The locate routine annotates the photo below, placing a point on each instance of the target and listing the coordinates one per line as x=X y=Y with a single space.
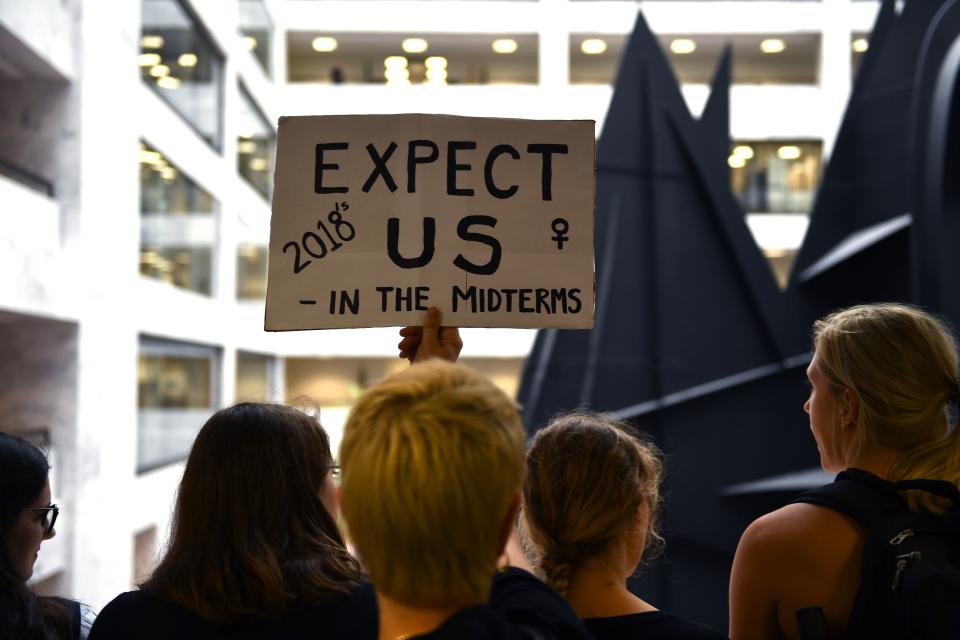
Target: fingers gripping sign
x=430 y=340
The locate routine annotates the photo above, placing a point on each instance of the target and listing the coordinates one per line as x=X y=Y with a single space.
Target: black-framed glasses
x=49 y=517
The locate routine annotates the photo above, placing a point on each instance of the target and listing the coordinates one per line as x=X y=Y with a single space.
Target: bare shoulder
x=801 y=535
x=796 y=556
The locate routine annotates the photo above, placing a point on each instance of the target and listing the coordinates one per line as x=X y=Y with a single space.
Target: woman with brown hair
x=254 y=550
x=27 y=520
x=590 y=507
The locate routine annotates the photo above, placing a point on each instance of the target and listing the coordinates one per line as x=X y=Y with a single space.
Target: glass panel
x=251 y=272
x=178 y=60
x=256 y=29
x=253 y=377
x=403 y=59
x=775 y=176
x=177 y=389
x=255 y=144
x=177 y=225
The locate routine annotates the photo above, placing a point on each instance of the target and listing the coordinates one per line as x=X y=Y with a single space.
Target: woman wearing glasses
x=27 y=519
x=254 y=549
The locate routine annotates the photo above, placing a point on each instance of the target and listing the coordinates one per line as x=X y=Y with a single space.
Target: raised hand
x=430 y=340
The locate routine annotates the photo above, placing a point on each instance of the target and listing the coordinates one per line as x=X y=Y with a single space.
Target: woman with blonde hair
x=883 y=384
x=591 y=499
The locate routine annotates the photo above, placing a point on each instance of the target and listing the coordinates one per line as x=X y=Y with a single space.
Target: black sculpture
x=694 y=342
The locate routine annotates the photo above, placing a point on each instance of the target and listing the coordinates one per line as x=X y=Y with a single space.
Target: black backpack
x=910 y=567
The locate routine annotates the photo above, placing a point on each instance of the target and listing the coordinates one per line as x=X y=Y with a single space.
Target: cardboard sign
x=378 y=218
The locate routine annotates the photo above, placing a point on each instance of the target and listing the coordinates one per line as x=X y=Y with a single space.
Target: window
x=775 y=176
x=414 y=58
x=256 y=30
x=251 y=272
x=790 y=58
x=178 y=389
x=178 y=60
x=254 y=377
x=255 y=143
x=178 y=231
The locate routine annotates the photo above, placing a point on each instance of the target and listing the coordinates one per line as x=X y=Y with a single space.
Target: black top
x=520 y=607
x=652 y=625
x=137 y=615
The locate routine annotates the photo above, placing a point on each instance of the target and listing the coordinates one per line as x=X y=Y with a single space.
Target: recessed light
x=187 y=60
x=149 y=59
x=151 y=42
x=789 y=152
x=435 y=62
x=437 y=75
x=683 y=46
x=414 y=45
x=504 y=45
x=743 y=151
x=324 y=44
x=773 y=45
x=593 y=46
x=250 y=43
x=159 y=70
x=395 y=62
x=736 y=162
x=860 y=45
x=168 y=82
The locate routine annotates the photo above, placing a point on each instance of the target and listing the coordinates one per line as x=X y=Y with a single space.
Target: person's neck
x=398 y=620
x=599 y=591
x=878 y=461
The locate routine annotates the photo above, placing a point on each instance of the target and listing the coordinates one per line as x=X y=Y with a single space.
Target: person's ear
x=508 y=524
x=850 y=407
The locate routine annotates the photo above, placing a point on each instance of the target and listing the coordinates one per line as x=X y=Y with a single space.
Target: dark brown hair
x=24 y=615
x=587 y=481
x=250 y=536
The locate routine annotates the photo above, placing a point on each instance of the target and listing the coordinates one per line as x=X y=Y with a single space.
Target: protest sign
x=377 y=218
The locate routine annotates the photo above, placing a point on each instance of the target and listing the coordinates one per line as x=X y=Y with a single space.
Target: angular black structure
x=694 y=342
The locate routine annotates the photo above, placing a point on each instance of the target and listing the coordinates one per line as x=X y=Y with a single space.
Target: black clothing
x=138 y=615
x=520 y=607
x=652 y=625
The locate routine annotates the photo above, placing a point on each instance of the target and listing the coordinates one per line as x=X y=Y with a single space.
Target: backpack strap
x=858 y=495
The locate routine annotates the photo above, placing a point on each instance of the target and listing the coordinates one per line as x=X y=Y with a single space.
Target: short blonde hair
x=901 y=363
x=432 y=460
x=589 y=479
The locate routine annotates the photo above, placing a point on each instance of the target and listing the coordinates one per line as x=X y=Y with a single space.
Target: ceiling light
x=437 y=75
x=258 y=164
x=743 y=151
x=150 y=157
x=683 y=46
x=736 y=162
x=593 y=46
x=168 y=173
x=246 y=146
x=168 y=82
x=395 y=74
x=324 y=44
x=789 y=152
x=414 y=45
x=159 y=70
x=504 y=45
x=149 y=59
x=151 y=42
x=436 y=62
x=772 y=45
x=250 y=42
x=187 y=60
x=395 y=62
x=860 y=45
